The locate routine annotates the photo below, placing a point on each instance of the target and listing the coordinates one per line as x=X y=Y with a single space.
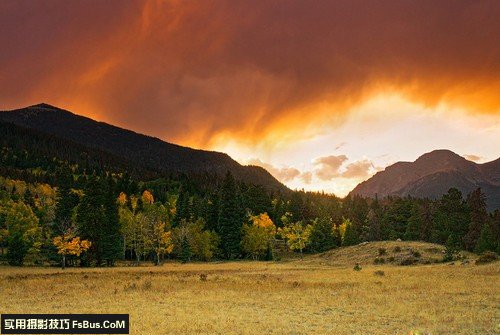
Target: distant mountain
x=432 y=174
x=148 y=152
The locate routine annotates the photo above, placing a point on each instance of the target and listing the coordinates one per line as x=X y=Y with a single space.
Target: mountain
x=150 y=153
x=432 y=174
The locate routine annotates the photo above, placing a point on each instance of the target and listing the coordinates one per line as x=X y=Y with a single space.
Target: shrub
x=416 y=253
x=486 y=257
x=379 y=273
x=146 y=286
x=379 y=260
x=382 y=251
x=409 y=261
x=391 y=259
x=397 y=249
x=357 y=267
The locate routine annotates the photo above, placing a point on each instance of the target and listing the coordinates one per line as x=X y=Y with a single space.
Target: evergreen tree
x=230 y=218
x=486 y=241
x=183 y=206
x=478 y=217
x=322 y=235
x=211 y=212
x=90 y=220
x=426 y=224
x=66 y=202
x=415 y=223
x=452 y=217
x=17 y=249
x=111 y=239
x=452 y=248
x=373 y=231
x=350 y=237
x=185 y=250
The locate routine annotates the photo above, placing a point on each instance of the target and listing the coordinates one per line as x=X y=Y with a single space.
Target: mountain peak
x=431 y=175
x=148 y=152
x=440 y=154
x=44 y=106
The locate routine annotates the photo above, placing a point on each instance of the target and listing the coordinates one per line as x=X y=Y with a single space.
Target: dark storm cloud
x=190 y=70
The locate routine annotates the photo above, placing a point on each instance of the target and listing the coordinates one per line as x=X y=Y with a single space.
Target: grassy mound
x=383 y=252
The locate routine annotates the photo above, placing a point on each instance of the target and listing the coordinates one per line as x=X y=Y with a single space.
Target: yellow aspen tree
x=67 y=244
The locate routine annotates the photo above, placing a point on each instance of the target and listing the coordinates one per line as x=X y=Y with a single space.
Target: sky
x=323 y=94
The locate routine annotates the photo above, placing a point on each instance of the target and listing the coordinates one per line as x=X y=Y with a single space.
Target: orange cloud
x=328 y=167
x=359 y=169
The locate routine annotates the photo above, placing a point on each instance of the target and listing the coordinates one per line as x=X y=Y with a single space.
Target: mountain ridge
x=148 y=151
x=431 y=175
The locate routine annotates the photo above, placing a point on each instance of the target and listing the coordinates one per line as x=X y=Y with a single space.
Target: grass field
x=309 y=296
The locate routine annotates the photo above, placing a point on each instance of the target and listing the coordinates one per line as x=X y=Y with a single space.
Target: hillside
x=431 y=175
x=146 y=152
x=396 y=252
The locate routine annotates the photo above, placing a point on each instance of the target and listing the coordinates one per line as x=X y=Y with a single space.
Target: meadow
x=300 y=296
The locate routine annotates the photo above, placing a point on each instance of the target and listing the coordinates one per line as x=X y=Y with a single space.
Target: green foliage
x=452 y=217
x=17 y=249
x=452 y=248
x=296 y=235
x=415 y=224
x=478 y=220
x=350 y=237
x=230 y=219
x=486 y=241
x=322 y=236
x=192 y=240
x=111 y=238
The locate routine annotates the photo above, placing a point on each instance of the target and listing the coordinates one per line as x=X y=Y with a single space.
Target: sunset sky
x=321 y=93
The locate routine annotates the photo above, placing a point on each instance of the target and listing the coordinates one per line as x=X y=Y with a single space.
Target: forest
x=66 y=204
x=113 y=218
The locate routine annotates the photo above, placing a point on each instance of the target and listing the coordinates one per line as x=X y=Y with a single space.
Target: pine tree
x=415 y=223
x=486 y=241
x=230 y=218
x=478 y=217
x=183 y=207
x=90 y=220
x=350 y=237
x=66 y=202
x=452 y=248
x=17 y=249
x=452 y=217
x=110 y=234
x=185 y=250
x=322 y=235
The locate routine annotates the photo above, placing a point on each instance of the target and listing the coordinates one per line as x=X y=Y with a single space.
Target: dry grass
x=395 y=253
x=299 y=297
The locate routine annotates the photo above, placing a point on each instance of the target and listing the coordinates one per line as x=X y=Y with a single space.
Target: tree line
x=103 y=217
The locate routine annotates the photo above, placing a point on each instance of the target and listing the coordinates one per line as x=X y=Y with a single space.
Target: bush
x=379 y=260
x=397 y=249
x=391 y=259
x=357 y=267
x=382 y=251
x=409 y=261
x=486 y=257
x=416 y=253
x=379 y=273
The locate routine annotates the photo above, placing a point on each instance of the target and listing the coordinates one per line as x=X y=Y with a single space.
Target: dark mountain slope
x=144 y=151
x=432 y=174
